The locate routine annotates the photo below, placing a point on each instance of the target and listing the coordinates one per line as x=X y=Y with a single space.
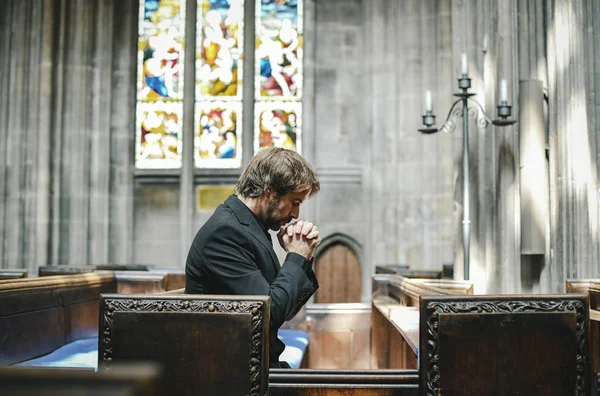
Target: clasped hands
x=301 y=237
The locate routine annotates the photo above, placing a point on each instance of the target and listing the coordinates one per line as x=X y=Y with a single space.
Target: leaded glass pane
x=277 y=124
x=219 y=40
x=278 y=49
x=160 y=84
x=160 y=49
x=158 y=138
x=217 y=140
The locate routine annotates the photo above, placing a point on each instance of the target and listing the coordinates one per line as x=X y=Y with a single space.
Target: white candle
x=428 y=104
x=503 y=91
x=464 y=65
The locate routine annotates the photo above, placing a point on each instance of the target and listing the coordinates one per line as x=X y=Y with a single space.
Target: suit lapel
x=243 y=214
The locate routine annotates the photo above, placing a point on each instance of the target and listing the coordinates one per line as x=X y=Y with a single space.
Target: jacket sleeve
x=228 y=256
x=308 y=269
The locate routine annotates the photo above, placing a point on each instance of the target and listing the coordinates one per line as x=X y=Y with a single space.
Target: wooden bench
x=129 y=276
x=58 y=315
x=591 y=287
x=403 y=270
x=209 y=345
x=40 y=315
x=141 y=379
x=504 y=345
x=395 y=316
x=50 y=270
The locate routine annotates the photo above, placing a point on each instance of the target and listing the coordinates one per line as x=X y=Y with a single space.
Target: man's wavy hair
x=284 y=171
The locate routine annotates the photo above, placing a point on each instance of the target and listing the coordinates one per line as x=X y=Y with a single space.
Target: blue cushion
x=80 y=353
x=295 y=342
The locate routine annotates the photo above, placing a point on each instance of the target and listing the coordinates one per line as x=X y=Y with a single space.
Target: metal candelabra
x=504 y=112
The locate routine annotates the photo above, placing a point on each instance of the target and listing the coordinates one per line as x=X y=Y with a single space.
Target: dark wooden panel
x=39 y=315
x=201 y=337
x=83 y=320
x=504 y=345
x=32 y=334
x=209 y=345
x=33 y=294
x=510 y=344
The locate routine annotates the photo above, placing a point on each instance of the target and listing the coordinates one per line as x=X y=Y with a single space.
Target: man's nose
x=295 y=212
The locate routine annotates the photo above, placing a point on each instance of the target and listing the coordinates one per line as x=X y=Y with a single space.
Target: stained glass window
x=219 y=66
x=160 y=83
x=278 y=74
x=218 y=74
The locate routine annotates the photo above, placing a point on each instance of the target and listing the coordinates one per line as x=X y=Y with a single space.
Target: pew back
x=209 y=345
x=500 y=345
x=131 y=279
x=7 y=273
x=39 y=315
x=49 y=270
x=141 y=379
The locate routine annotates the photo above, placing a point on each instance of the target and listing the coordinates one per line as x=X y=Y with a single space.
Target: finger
x=313 y=234
x=307 y=227
x=298 y=226
x=290 y=230
x=282 y=231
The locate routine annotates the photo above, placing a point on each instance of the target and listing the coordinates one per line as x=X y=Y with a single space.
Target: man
x=232 y=252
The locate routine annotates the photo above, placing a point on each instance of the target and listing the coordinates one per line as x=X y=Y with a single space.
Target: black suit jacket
x=232 y=254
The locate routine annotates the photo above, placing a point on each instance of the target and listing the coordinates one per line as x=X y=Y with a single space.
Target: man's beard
x=269 y=220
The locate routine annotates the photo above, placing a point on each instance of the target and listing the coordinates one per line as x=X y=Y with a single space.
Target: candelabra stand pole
x=466 y=222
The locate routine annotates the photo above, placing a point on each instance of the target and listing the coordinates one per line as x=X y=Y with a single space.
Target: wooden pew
x=12 y=273
x=591 y=287
x=140 y=379
x=403 y=270
x=49 y=270
x=395 y=316
x=129 y=276
x=40 y=315
x=209 y=345
x=504 y=345
x=284 y=382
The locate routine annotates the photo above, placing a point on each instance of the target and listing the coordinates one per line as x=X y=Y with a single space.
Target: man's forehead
x=303 y=195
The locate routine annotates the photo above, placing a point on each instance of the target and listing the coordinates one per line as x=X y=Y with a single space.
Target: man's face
x=281 y=210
